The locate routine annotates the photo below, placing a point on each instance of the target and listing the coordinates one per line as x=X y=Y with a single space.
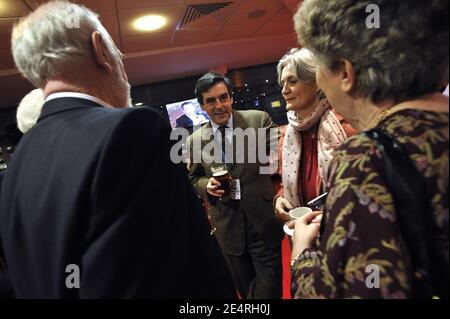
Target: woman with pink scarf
x=313 y=133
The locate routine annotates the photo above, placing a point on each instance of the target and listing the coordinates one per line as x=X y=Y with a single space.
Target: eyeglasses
x=212 y=101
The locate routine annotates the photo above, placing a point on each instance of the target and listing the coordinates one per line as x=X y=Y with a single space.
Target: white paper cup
x=299 y=212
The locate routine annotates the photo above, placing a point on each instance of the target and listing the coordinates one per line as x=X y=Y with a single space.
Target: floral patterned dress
x=360 y=230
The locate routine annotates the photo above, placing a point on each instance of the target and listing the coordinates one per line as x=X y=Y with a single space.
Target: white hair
x=29 y=110
x=302 y=62
x=55 y=38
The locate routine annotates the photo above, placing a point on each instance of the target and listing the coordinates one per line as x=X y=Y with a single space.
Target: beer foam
x=220 y=173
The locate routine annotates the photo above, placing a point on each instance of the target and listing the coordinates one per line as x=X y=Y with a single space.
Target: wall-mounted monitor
x=446 y=91
x=186 y=114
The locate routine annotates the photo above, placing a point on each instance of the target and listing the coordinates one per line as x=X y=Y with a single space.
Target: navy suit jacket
x=95 y=187
x=184 y=121
x=5 y=284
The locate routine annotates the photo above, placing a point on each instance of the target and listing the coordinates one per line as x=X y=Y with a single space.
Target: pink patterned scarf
x=330 y=136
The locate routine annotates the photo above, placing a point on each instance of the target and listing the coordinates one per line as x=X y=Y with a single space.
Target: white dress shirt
x=228 y=131
x=79 y=96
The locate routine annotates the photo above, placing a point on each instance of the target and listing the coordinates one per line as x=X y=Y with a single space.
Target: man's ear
x=347 y=76
x=101 y=52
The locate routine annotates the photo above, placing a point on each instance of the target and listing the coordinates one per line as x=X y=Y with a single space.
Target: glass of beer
x=224 y=178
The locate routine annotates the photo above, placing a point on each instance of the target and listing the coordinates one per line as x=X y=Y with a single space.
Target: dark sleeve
x=2 y=258
x=178 y=123
x=197 y=175
x=6 y=290
x=5 y=284
x=148 y=237
x=266 y=121
x=360 y=254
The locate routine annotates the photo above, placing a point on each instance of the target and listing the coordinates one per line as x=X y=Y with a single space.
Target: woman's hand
x=306 y=231
x=282 y=208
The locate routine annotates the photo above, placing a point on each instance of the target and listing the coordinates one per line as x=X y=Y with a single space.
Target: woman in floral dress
x=379 y=71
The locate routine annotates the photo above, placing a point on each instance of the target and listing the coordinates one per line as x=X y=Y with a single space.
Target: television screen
x=186 y=114
x=446 y=91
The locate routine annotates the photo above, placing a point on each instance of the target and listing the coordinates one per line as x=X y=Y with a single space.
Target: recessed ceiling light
x=139 y=104
x=2 y=6
x=150 y=22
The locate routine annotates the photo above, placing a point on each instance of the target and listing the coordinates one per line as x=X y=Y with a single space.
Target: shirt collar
x=229 y=124
x=78 y=95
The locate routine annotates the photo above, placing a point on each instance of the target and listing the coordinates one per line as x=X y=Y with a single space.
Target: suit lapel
x=207 y=134
x=207 y=137
x=239 y=122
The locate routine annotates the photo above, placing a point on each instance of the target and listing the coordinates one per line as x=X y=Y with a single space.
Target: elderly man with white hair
x=87 y=207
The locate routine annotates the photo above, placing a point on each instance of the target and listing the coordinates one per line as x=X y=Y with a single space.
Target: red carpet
x=286 y=254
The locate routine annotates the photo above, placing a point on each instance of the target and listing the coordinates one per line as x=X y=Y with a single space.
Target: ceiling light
x=2 y=6
x=139 y=104
x=150 y=23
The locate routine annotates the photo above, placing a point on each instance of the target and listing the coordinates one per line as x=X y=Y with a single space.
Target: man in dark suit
x=87 y=206
x=246 y=228
x=186 y=120
x=190 y=116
